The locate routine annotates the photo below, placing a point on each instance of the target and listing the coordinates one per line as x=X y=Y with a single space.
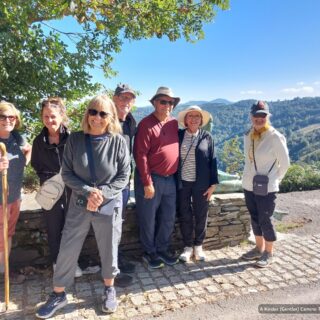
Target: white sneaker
x=78 y=272
x=186 y=255
x=199 y=254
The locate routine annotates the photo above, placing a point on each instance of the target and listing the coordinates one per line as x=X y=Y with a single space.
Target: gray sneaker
x=110 y=303
x=252 y=254
x=265 y=260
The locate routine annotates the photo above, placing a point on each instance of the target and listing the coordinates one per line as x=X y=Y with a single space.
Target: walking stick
x=3 y=152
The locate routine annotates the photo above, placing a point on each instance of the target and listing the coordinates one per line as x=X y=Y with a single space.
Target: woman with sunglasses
x=96 y=167
x=18 y=154
x=46 y=159
x=266 y=153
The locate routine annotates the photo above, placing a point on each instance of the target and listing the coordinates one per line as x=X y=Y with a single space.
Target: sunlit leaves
x=35 y=62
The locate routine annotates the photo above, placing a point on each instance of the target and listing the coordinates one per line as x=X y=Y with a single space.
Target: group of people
x=174 y=168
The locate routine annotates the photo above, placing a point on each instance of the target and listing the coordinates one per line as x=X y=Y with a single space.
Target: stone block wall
x=228 y=225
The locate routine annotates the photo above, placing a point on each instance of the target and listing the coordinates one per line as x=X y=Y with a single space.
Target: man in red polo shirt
x=156 y=153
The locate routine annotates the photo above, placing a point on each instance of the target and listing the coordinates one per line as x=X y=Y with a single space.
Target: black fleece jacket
x=46 y=158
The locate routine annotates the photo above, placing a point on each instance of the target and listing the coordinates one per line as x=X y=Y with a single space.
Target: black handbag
x=260 y=182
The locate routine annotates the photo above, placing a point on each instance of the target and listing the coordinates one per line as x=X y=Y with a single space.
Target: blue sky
x=259 y=49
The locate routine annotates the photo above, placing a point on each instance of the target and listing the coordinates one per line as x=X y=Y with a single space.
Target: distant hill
x=297 y=119
x=221 y=101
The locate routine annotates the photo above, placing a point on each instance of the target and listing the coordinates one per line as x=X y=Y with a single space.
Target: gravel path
x=303 y=211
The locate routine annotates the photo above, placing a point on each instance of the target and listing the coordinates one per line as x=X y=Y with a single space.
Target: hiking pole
x=3 y=152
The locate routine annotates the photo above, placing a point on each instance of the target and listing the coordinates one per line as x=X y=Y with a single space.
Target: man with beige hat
x=156 y=152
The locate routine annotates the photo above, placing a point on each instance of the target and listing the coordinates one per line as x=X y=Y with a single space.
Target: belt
x=161 y=176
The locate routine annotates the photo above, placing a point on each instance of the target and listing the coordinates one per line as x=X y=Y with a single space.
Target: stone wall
x=228 y=225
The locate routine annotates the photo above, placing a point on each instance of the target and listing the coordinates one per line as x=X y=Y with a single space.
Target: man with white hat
x=156 y=152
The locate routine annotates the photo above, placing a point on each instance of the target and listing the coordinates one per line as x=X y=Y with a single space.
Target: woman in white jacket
x=266 y=153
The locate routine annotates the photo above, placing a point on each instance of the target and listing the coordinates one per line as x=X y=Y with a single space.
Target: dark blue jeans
x=261 y=209
x=125 y=199
x=156 y=216
x=193 y=205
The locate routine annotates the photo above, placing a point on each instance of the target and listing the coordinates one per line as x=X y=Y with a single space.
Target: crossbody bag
x=260 y=181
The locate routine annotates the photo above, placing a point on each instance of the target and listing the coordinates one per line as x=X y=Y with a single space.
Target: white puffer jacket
x=270 y=147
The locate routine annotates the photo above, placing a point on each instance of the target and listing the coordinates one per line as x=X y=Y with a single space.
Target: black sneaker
x=110 y=303
x=124 y=265
x=265 y=260
x=123 y=280
x=168 y=258
x=54 y=303
x=152 y=260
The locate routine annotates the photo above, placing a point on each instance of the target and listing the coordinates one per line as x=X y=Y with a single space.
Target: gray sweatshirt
x=111 y=162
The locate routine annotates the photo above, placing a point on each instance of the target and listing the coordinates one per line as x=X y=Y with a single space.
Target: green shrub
x=30 y=179
x=300 y=177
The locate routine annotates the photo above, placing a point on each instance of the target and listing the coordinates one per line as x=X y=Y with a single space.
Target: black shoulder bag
x=260 y=181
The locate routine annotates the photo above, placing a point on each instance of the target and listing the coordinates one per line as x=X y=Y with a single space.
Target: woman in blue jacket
x=197 y=178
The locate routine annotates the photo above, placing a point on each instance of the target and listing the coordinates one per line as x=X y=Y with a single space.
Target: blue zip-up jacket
x=206 y=163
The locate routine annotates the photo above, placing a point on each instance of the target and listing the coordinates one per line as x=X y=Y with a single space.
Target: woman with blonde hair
x=96 y=167
x=18 y=154
x=266 y=154
x=46 y=159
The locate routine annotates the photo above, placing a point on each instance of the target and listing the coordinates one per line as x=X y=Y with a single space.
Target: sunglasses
x=260 y=115
x=94 y=112
x=4 y=118
x=165 y=102
x=51 y=103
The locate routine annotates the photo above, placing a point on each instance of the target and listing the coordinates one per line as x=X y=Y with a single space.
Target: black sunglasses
x=165 y=102
x=260 y=115
x=102 y=114
x=4 y=118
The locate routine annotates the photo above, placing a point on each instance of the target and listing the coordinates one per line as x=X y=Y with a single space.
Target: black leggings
x=55 y=219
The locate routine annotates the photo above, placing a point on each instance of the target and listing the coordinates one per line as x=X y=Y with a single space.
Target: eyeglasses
x=165 y=102
x=196 y=116
x=10 y=118
x=102 y=114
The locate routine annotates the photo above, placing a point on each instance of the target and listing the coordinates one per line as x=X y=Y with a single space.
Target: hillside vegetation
x=297 y=119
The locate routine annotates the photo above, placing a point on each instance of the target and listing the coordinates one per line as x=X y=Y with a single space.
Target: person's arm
x=121 y=179
x=70 y=155
x=213 y=169
x=282 y=155
x=141 y=148
x=37 y=162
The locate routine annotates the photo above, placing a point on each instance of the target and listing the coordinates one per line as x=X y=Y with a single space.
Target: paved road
x=223 y=278
x=246 y=307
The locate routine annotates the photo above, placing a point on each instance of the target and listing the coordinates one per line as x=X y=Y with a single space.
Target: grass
x=285 y=227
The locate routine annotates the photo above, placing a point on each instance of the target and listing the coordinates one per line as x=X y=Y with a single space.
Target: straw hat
x=206 y=116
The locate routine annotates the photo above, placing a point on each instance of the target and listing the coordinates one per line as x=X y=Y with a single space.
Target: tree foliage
x=232 y=156
x=36 y=61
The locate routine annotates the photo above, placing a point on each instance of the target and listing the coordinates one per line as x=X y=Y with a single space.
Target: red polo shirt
x=156 y=148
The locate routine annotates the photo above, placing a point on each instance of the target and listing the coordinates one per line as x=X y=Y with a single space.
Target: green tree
x=232 y=156
x=37 y=61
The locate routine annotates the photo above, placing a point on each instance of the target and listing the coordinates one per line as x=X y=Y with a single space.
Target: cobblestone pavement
x=223 y=275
